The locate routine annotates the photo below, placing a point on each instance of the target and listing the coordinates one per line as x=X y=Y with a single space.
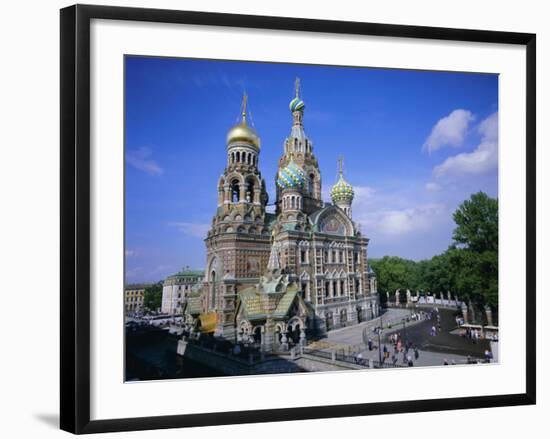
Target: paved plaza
x=443 y=348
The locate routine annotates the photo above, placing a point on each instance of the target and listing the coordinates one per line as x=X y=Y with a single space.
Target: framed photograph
x=276 y=218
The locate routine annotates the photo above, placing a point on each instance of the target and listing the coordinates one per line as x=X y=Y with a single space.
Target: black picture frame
x=75 y=217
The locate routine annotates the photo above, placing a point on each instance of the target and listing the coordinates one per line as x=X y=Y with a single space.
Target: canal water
x=151 y=355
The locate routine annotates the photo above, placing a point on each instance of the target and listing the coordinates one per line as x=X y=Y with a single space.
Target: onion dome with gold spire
x=242 y=133
x=291 y=176
x=342 y=191
x=297 y=104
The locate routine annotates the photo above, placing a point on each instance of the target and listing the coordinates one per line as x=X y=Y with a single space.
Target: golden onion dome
x=243 y=133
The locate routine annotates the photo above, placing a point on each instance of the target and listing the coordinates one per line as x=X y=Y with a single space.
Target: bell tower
x=238 y=242
x=298 y=148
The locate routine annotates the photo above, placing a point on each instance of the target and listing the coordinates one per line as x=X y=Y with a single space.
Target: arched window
x=292 y=202
x=249 y=190
x=238 y=156
x=213 y=289
x=254 y=160
x=311 y=182
x=235 y=190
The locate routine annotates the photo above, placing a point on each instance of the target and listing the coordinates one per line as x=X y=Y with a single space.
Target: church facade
x=282 y=277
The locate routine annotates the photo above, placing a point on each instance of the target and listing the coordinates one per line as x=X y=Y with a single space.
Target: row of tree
x=152 y=297
x=468 y=268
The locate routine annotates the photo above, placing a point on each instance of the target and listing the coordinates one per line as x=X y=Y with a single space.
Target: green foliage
x=393 y=272
x=152 y=297
x=477 y=223
x=469 y=267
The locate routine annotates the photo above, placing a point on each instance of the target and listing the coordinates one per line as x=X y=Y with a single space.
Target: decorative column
x=489 y=314
x=242 y=193
x=302 y=337
x=226 y=194
x=257 y=192
x=464 y=312
x=284 y=341
x=472 y=312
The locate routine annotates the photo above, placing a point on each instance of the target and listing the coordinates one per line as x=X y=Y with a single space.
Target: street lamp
x=379 y=342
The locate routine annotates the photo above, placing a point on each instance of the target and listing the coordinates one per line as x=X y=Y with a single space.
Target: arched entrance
x=343 y=317
x=359 y=311
x=329 y=321
x=257 y=334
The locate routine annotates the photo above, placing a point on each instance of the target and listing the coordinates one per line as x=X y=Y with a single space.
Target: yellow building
x=133 y=297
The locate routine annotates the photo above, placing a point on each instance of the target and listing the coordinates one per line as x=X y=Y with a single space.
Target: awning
x=208 y=322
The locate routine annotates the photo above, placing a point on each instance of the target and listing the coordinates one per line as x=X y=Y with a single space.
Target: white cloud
x=432 y=187
x=395 y=213
x=449 y=131
x=483 y=159
x=130 y=253
x=141 y=159
x=193 y=229
x=396 y=222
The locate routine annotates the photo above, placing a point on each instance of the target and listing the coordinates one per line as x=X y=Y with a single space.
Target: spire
x=296 y=104
x=341 y=166
x=243 y=108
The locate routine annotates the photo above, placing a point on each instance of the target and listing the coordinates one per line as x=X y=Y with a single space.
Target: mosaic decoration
x=333 y=226
x=291 y=177
x=342 y=191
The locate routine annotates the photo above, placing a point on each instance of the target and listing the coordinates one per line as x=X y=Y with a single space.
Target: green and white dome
x=342 y=191
x=291 y=176
x=296 y=104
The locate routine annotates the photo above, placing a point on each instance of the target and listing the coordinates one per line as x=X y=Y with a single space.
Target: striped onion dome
x=292 y=176
x=342 y=191
x=296 y=104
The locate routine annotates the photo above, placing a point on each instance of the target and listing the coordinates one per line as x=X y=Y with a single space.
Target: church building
x=281 y=278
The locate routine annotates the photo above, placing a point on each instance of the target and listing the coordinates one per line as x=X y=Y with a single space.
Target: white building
x=177 y=287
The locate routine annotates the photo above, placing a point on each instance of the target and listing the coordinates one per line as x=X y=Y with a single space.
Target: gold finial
x=341 y=165
x=243 y=108
x=297 y=87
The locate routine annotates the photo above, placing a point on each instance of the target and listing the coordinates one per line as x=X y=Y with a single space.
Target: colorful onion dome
x=243 y=133
x=296 y=104
x=342 y=191
x=292 y=176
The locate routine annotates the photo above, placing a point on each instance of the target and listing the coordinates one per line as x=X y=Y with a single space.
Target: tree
x=477 y=223
x=394 y=273
x=475 y=252
x=152 y=297
x=469 y=267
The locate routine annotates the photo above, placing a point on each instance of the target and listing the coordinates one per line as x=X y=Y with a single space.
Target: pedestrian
x=409 y=361
x=416 y=353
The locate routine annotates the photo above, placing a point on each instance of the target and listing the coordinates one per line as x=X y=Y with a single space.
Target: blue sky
x=415 y=145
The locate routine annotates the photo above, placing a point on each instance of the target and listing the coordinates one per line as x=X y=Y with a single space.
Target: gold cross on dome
x=297 y=87
x=341 y=165
x=243 y=107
